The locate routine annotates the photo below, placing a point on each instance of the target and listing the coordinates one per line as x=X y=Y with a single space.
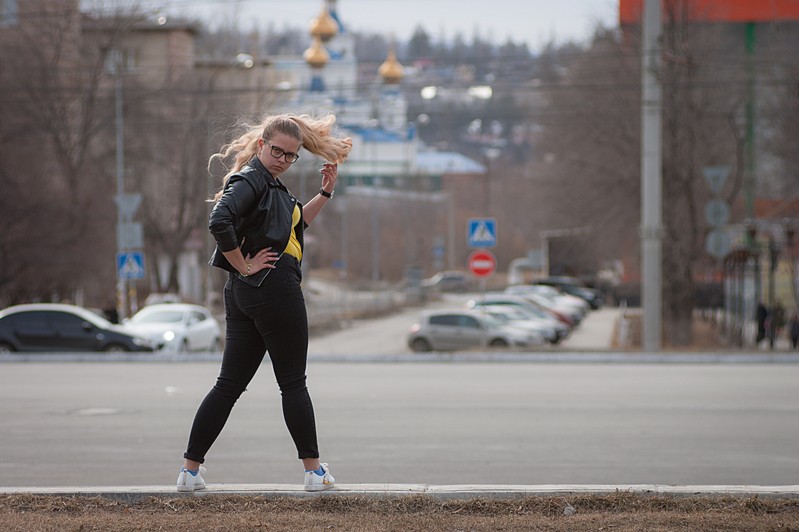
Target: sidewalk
x=483 y=491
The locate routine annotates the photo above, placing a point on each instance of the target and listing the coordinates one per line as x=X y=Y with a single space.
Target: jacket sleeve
x=238 y=199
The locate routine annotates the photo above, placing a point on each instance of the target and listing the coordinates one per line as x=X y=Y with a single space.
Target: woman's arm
x=329 y=175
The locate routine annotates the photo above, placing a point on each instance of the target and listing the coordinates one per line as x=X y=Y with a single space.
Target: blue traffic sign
x=482 y=233
x=130 y=265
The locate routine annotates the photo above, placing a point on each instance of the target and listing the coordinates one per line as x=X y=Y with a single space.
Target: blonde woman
x=258 y=226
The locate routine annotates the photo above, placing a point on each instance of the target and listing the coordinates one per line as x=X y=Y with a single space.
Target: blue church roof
x=376 y=134
x=447 y=162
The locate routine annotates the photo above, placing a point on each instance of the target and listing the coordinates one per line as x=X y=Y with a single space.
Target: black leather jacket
x=256 y=208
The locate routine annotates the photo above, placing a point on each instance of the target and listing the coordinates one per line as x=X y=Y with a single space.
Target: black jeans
x=271 y=318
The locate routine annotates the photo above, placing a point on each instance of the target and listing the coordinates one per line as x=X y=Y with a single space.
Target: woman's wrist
x=325 y=193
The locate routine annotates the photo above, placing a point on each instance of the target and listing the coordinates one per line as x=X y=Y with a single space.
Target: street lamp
x=242 y=61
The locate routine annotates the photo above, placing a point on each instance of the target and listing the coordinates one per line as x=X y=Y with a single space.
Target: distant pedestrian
x=258 y=226
x=761 y=315
x=775 y=323
x=793 y=330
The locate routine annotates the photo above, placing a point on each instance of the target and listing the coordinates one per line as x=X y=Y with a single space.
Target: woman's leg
x=282 y=321
x=244 y=351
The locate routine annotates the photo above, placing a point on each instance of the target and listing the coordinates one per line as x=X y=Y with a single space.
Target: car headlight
x=169 y=336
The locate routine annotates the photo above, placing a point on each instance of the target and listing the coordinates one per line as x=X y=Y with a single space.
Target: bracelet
x=325 y=193
x=248 y=269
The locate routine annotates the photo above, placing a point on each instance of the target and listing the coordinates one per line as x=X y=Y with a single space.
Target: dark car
x=57 y=327
x=574 y=287
x=448 y=281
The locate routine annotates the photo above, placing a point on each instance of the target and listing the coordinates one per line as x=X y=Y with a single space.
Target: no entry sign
x=482 y=263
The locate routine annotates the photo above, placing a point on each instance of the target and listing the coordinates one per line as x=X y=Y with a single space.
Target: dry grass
x=619 y=512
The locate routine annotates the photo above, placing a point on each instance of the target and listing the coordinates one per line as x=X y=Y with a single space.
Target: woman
x=258 y=226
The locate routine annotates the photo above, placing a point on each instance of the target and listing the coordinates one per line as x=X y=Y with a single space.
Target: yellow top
x=293 y=248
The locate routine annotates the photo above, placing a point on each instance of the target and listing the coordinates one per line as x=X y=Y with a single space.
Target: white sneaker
x=314 y=482
x=189 y=482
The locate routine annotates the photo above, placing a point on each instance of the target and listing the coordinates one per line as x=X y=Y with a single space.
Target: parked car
x=575 y=287
x=572 y=307
x=525 y=305
x=58 y=327
x=177 y=327
x=516 y=317
x=447 y=281
x=452 y=330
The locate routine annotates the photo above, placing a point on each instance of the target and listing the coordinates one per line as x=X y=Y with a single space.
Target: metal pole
x=749 y=165
x=651 y=181
x=120 y=171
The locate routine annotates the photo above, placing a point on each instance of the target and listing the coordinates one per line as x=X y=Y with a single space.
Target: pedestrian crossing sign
x=482 y=233
x=130 y=265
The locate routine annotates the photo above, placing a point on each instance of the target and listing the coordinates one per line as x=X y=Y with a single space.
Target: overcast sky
x=535 y=22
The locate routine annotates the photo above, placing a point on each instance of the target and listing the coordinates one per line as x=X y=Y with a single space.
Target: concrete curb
x=533 y=357
x=444 y=492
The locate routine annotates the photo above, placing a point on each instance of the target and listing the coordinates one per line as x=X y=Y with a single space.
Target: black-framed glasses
x=288 y=156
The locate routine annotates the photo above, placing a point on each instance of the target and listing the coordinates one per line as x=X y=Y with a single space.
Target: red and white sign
x=482 y=263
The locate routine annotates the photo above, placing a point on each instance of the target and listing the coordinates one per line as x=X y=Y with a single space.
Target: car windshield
x=513 y=314
x=499 y=316
x=159 y=316
x=489 y=320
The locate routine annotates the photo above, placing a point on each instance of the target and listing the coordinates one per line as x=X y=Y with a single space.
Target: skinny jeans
x=273 y=318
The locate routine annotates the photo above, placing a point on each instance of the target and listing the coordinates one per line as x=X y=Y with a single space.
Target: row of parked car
x=61 y=327
x=522 y=316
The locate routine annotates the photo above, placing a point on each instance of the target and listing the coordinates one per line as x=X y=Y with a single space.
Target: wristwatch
x=327 y=194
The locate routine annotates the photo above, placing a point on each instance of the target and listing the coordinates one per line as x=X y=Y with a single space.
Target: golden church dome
x=323 y=26
x=391 y=70
x=316 y=56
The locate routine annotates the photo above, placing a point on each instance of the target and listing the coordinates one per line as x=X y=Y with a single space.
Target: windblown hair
x=315 y=135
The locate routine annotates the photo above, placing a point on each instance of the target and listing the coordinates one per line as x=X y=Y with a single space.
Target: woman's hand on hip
x=262 y=260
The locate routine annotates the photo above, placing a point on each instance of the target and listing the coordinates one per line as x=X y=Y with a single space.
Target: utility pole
x=122 y=302
x=651 y=177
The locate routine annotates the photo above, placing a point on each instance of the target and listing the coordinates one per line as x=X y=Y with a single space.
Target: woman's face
x=282 y=145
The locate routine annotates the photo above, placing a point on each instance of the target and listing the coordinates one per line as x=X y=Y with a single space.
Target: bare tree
x=594 y=142
x=54 y=230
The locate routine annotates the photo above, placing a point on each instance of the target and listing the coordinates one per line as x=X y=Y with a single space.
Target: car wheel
x=420 y=345
x=6 y=347
x=498 y=342
x=115 y=348
x=184 y=346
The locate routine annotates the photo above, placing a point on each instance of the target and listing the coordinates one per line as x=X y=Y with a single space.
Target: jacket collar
x=259 y=167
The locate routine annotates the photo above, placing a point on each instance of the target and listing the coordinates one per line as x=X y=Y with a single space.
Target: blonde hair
x=315 y=135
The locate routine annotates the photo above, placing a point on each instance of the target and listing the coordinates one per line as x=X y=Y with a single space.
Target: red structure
x=630 y=11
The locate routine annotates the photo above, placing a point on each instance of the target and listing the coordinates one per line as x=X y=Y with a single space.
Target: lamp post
x=240 y=62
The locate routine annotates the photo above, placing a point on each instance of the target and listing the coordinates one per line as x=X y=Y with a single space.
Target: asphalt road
x=122 y=424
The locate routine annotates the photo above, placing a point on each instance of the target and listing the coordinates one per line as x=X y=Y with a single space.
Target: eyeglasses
x=277 y=153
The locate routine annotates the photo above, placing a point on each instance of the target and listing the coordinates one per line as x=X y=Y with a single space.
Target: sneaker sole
x=188 y=489
x=323 y=487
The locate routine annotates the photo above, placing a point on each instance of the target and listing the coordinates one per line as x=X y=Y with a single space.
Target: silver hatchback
x=454 y=330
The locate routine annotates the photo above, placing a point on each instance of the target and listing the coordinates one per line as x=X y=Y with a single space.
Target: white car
x=574 y=307
x=529 y=308
x=177 y=327
x=516 y=317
